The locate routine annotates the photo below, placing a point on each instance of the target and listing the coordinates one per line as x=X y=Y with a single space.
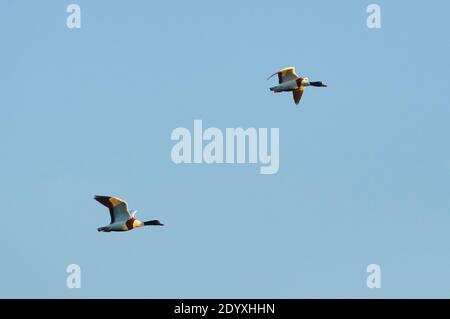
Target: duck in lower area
x=289 y=81
x=121 y=218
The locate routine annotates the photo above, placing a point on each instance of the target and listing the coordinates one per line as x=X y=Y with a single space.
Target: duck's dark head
x=153 y=223
x=318 y=84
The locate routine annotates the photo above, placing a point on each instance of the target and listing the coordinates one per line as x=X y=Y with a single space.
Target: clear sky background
x=364 y=164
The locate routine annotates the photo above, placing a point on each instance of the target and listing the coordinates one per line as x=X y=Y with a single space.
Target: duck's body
x=289 y=81
x=130 y=224
x=121 y=218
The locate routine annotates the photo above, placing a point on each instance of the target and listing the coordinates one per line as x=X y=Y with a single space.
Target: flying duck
x=121 y=218
x=289 y=81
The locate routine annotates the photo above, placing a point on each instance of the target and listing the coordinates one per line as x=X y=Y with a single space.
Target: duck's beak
x=318 y=84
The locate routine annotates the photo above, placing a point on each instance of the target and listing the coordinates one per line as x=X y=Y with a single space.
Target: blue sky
x=364 y=164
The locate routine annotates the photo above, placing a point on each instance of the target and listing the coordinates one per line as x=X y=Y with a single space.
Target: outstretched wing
x=286 y=74
x=298 y=94
x=118 y=208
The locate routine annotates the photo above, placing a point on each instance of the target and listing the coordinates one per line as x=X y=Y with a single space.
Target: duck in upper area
x=121 y=218
x=289 y=81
